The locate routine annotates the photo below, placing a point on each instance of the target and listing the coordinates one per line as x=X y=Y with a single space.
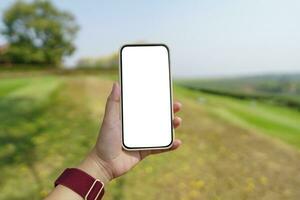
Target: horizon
x=206 y=39
x=238 y=76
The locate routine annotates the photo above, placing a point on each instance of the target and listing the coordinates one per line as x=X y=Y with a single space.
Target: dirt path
x=238 y=164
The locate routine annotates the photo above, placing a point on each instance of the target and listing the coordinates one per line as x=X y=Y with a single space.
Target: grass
x=232 y=149
x=279 y=122
x=282 y=89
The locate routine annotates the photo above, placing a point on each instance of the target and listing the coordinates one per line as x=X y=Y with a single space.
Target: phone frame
x=171 y=98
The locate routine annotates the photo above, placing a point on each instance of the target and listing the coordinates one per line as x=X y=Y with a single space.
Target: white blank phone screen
x=146 y=97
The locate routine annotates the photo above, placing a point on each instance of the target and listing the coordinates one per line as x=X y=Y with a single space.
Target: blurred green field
x=232 y=149
x=282 y=89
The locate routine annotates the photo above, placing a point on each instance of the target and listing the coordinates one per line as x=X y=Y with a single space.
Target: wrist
x=96 y=168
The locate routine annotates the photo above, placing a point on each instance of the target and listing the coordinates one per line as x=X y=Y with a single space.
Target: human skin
x=108 y=160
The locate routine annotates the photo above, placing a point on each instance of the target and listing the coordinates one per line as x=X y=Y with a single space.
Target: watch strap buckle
x=92 y=188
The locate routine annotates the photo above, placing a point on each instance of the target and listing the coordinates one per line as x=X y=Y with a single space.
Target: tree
x=38 y=33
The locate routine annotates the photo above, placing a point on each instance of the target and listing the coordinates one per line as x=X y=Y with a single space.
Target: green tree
x=38 y=33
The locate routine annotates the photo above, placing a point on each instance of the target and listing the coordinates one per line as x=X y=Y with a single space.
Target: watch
x=82 y=183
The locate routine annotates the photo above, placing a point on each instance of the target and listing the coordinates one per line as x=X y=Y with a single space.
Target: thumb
x=112 y=109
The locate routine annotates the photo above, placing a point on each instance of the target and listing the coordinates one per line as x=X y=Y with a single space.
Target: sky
x=207 y=38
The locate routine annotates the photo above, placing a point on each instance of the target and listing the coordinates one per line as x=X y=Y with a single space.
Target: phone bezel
x=171 y=98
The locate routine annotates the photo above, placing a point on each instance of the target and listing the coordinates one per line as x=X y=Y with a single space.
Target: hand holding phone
x=108 y=160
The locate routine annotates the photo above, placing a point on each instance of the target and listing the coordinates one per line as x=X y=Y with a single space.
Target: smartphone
x=146 y=97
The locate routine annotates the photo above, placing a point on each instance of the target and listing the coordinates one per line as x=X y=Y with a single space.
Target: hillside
x=283 y=89
x=232 y=149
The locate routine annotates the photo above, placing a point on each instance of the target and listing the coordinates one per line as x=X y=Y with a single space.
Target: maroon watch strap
x=82 y=183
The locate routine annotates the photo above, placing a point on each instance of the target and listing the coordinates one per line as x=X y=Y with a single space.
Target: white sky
x=206 y=37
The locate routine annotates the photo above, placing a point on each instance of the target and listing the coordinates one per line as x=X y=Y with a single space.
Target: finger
x=176 y=144
x=177 y=122
x=112 y=104
x=176 y=106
